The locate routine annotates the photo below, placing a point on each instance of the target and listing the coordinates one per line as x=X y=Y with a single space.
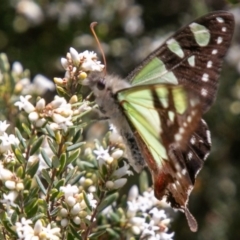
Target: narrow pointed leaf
x=36 y=145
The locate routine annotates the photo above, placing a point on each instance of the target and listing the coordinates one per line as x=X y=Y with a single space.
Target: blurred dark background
x=38 y=33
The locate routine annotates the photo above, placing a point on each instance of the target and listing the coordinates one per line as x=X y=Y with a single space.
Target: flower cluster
x=25 y=230
x=77 y=206
x=59 y=180
x=77 y=66
x=58 y=112
x=145 y=218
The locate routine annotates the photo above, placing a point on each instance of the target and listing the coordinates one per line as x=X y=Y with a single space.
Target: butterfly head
x=105 y=88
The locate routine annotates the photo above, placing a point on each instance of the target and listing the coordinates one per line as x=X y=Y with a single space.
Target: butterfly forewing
x=193 y=57
x=175 y=145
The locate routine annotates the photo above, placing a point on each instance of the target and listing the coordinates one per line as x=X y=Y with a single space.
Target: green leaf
x=113 y=233
x=75 y=233
x=63 y=161
x=50 y=132
x=20 y=137
x=46 y=158
x=76 y=179
x=108 y=201
x=86 y=165
x=60 y=183
x=77 y=136
x=70 y=174
x=30 y=204
x=27 y=129
x=18 y=154
x=33 y=168
x=73 y=156
x=55 y=162
x=143 y=181
x=52 y=145
x=43 y=189
x=54 y=194
x=75 y=146
x=46 y=176
x=87 y=201
x=36 y=145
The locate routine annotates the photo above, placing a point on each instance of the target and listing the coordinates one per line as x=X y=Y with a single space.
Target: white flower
x=52 y=233
x=8 y=199
x=31 y=10
x=64 y=63
x=93 y=202
x=9 y=156
x=69 y=191
x=74 y=56
x=122 y=171
x=41 y=84
x=17 y=68
x=119 y=183
x=77 y=220
x=149 y=229
x=7 y=141
x=75 y=209
x=133 y=193
x=90 y=62
x=25 y=104
x=5 y=174
x=102 y=153
x=3 y=126
x=64 y=222
x=10 y=184
x=117 y=154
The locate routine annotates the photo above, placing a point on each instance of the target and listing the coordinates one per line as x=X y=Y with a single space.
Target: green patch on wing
x=154 y=72
x=143 y=106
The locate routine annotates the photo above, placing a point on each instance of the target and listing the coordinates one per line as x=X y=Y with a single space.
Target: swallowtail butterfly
x=158 y=107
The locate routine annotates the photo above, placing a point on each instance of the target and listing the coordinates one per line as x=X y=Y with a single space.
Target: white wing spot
x=219 y=40
x=224 y=29
x=189 y=119
x=219 y=19
x=193 y=140
x=184 y=171
x=181 y=130
x=178 y=137
x=190 y=156
x=204 y=92
x=205 y=77
x=191 y=61
x=208 y=136
x=209 y=64
x=214 y=51
x=206 y=155
x=179 y=175
x=185 y=124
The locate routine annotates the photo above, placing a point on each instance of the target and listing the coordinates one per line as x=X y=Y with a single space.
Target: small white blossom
x=93 y=202
x=7 y=141
x=102 y=153
x=119 y=183
x=123 y=171
x=17 y=68
x=64 y=63
x=25 y=104
x=3 y=126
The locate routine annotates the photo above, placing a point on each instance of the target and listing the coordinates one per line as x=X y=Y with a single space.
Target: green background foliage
x=39 y=45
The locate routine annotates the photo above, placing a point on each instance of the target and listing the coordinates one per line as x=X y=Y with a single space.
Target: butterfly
x=158 y=108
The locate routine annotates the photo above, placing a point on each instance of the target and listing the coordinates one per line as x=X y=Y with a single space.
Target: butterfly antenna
x=92 y=25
